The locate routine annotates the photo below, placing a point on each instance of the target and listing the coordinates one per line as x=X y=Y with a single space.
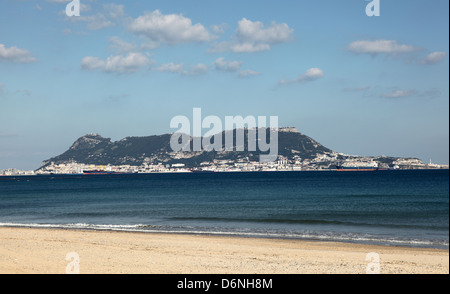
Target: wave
x=299 y=235
x=307 y=222
x=73 y=226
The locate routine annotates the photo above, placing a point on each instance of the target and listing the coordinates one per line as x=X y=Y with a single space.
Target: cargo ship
x=97 y=172
x=356 y=168
x=370 y=166
x=197 y=170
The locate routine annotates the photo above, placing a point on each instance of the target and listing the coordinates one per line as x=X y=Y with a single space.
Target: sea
x=395 y=207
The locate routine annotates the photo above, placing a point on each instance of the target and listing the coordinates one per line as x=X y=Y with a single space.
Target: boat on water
x=364 y=166
x=356 y=168
x=99 y=172
x=196 y=170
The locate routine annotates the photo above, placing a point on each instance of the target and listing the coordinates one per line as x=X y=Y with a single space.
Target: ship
x=197 y=170
x=356 y=168
x=99 y=172
x=370 y=166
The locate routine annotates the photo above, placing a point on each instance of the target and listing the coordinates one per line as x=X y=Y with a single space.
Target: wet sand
x=44 y=251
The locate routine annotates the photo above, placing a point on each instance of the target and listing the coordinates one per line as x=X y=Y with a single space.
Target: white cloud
x=428 y=94
x=130 y=63
x=114 y=11
x=16 y=55
x=234 y=66
x=310 y=75
x=84 y=7
x=255 y=32
x=255 y=37
x=179 y=68
x=219 y=29
x=125 y=64
x=120 y=46
x=247 y=47
x=389 y=47
x=198 y=69
x=399 y=94
x=248 y=73
x=94 y=22
x=433 y=58
x=223 y=65
x=92 y=63
x=172 y=67
x=170 y=28
x=108 y=17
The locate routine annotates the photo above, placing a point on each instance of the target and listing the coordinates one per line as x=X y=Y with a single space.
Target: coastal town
x=322 y=163
x=94 y=154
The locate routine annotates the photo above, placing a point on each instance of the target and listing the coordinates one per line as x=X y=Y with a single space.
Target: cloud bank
x=253 y=36
x=388 y=47
x=310 y=75
x=169 y=29
x=120 y=64
x=16 y=55
x=433 y=58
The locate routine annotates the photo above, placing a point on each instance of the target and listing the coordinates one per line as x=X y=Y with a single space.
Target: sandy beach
x=44 y=251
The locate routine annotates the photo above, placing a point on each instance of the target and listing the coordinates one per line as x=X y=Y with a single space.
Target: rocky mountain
x=95 y=149
x=135 y=151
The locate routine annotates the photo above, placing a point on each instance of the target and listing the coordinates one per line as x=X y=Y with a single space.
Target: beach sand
x=44 y=251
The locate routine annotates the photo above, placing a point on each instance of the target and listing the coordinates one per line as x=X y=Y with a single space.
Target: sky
x=358 y=84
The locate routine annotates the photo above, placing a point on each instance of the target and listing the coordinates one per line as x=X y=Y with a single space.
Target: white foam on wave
x=143 y=228
x=74 y=226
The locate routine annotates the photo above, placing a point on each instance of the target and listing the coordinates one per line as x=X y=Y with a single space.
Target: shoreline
x=231 y=171
x=44 y=250
x=127 y=229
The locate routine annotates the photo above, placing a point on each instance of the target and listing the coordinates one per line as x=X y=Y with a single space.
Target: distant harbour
x=78 y=170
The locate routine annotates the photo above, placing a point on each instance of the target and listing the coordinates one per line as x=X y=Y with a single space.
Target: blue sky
x=357 y=84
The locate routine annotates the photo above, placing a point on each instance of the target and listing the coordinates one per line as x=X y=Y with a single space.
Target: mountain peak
x=288 y=130
x=92 y=135
x=88 y=141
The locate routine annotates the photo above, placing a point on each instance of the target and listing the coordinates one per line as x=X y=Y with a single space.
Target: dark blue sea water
x=400 y=208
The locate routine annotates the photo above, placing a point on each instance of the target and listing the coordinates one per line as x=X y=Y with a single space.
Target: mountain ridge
x=155 y=149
